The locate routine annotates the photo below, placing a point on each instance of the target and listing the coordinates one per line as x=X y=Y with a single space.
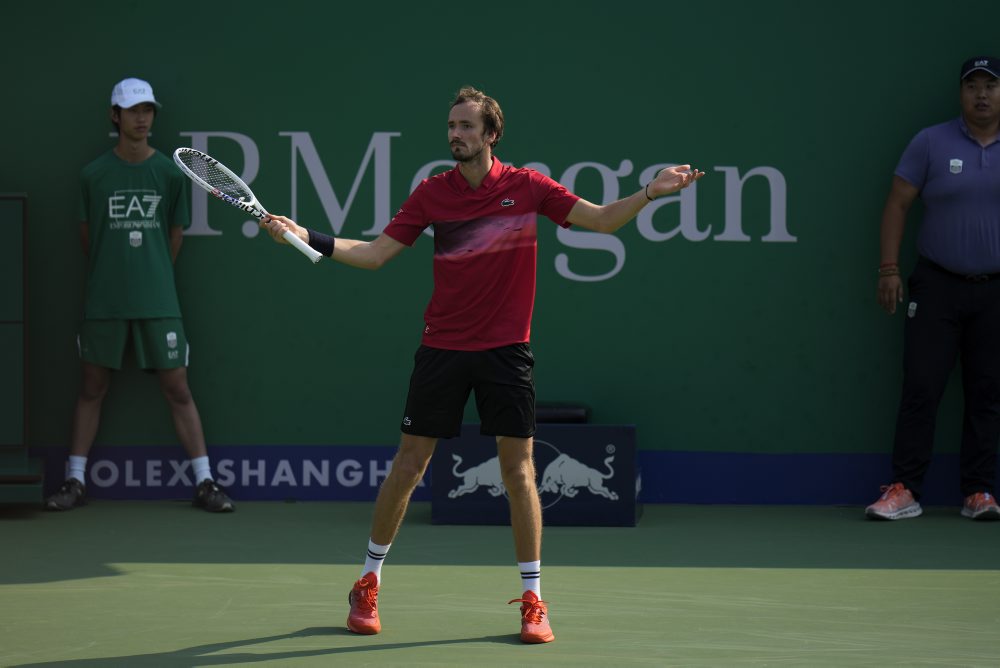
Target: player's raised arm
x=362 y=254
x=609 y=217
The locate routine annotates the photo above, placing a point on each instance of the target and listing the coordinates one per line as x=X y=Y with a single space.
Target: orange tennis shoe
x=363 y=598
x=896 y=503
x=534 y=619
x=981 y=506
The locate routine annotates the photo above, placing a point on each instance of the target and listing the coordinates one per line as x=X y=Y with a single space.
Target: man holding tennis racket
x=476 y=327
x=133 y=208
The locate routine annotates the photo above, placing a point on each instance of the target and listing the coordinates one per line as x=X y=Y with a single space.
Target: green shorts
x=159 y=343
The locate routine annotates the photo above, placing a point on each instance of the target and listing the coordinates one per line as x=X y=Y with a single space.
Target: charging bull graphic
x=566 y=476
x=586 y=475
x=563 y=476
x=486 y=475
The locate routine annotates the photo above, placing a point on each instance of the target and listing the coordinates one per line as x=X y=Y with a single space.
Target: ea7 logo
x=133 y=205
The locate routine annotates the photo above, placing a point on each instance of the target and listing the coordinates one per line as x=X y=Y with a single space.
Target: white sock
x=77 y=465
x=202 y=469
x=373 y=562
x=531 y=576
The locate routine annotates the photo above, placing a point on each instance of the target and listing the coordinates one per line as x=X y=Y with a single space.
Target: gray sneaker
x=212 y=498
x=67 y=497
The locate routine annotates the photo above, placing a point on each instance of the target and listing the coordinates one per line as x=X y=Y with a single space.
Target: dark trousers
x=949 y=317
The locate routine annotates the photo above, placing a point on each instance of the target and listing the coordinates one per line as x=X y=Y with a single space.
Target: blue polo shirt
x=959 y=183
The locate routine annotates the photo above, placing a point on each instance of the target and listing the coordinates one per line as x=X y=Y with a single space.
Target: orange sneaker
x=363 y=598
x=896 y=503
x=981 y=506
x=534 y=619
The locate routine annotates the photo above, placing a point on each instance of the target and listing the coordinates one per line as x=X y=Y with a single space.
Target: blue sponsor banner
x=249 y=472
x=354 y=473
x=823 y=479
x=586 y=476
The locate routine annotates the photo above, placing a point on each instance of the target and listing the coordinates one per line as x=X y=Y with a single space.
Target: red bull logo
x=562 y=478
x=566 y=477
x=586 y=475
x=486 y=475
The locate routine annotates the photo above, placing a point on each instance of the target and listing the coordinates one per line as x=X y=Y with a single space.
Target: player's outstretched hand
x=672 y=179
x=276 y=226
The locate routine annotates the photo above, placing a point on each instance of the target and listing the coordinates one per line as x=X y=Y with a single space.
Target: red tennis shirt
x=485 y=243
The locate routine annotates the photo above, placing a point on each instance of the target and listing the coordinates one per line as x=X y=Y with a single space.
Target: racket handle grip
x=305 y=248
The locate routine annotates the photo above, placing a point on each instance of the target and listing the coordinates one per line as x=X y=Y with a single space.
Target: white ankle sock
x=202 y=469
x=531 y=576
x=373 y=562
x=77 y=466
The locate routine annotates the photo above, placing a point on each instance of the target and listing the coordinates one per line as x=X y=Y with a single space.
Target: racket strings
x=215 y=177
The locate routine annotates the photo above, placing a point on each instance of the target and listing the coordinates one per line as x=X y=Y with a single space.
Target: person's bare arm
x=608 y=218
x=356 y=253
x=897 y=205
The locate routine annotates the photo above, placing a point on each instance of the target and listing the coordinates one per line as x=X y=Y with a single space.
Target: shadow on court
x=89 y=541
x=202 y=655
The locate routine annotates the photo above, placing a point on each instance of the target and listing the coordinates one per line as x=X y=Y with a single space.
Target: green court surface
x=160 y=584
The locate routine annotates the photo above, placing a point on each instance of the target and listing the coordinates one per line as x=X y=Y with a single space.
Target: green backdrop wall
x=740 y=317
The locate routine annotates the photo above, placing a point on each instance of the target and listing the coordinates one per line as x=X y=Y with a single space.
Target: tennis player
x=133 y=208
x=476 y=327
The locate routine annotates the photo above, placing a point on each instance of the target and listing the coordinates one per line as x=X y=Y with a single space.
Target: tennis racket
x=220 y=181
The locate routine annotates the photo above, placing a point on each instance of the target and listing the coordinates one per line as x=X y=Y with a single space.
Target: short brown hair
x=488 y=107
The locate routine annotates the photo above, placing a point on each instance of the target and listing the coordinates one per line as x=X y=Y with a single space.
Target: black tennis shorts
x=502 y=378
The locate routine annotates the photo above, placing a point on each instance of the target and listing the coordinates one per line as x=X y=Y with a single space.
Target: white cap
x=130 y=92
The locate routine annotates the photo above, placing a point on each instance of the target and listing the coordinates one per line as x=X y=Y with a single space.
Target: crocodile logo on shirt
x=507 y=202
